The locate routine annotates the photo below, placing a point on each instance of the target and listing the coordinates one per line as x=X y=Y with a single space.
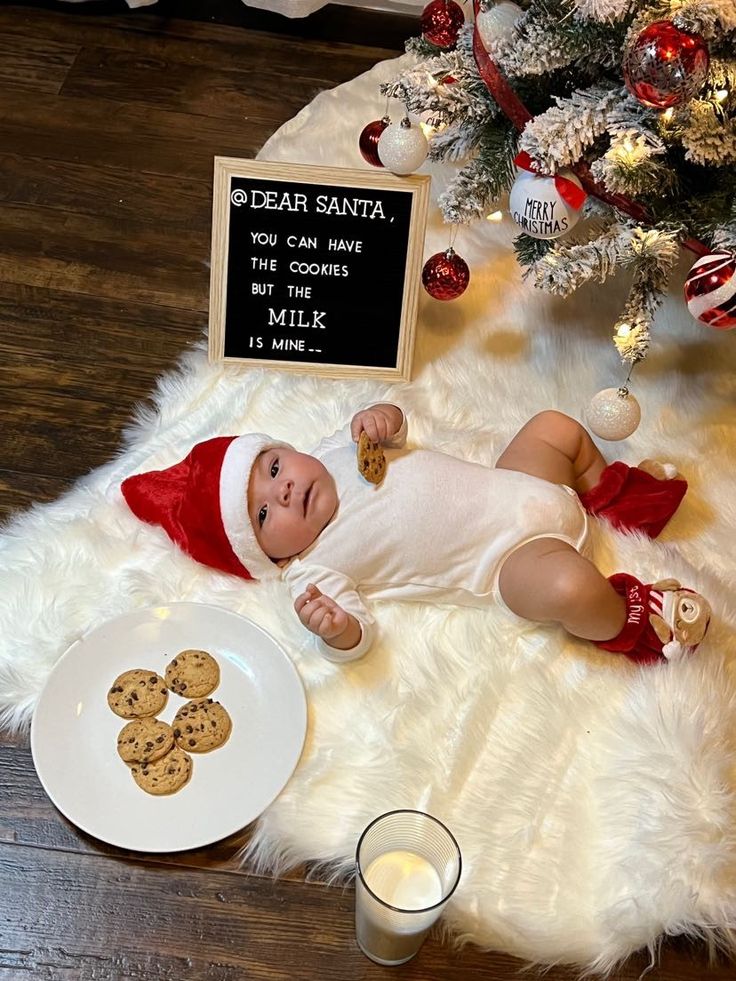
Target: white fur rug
x=593 y=801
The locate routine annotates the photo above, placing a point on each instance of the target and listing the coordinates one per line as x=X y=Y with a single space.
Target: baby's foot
x=663 y=620
x=679 y=617
x=641 y=499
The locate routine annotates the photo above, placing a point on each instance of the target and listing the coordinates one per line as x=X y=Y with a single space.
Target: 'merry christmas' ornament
x=613 y=413
x=402 y=149
x=545 y=207
x=445 y=275
x=497 y=22
x=441 y=22
x=368 y=142
x=665 y=66
x=710 y=290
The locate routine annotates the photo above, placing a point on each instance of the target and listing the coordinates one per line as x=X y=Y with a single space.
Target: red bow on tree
x=569 y=192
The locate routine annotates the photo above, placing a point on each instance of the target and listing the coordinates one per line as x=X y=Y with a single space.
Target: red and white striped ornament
x=710 y=290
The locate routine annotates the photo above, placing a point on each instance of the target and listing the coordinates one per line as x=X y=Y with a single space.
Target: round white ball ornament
x=537 y=206
x=497 y=23
x=402 y=149
x=613 y=413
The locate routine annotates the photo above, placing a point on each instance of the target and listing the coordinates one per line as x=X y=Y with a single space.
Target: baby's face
x=291 y=497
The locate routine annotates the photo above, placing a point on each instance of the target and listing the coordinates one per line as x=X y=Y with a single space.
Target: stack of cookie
x=158 y=753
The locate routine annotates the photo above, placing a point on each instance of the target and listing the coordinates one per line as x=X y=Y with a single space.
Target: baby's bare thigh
x=545 y=447
x=529 y=576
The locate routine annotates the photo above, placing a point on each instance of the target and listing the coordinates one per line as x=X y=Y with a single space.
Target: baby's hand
x=321 y=614
x=381 y=422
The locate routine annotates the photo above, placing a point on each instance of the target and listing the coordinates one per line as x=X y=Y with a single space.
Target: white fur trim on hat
x=234 y=476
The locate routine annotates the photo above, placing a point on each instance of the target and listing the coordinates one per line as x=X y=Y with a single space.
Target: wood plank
x=136 y=138
x=19 y=491
x=240 y=92
x=33 y=64
x=329 y=36
x=52 y=386
x=74 y=329
x=88 y=917
x=60 y=422
x=86 y=189
x=105 y=256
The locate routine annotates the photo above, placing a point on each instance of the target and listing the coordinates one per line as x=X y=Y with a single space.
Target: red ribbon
x=569 y=191
x=503 y=93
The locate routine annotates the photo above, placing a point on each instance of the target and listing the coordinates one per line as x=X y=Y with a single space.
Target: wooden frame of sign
x=316 y=269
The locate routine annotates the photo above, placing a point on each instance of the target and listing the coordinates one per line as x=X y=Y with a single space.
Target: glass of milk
x=408 y=865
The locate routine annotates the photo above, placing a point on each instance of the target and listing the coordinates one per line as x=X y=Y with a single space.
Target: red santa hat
x=202 y=504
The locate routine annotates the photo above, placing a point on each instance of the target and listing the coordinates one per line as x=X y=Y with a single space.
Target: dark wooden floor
x=109 y=121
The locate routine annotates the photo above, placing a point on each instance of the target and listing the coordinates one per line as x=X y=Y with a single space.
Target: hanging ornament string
x=504 y=94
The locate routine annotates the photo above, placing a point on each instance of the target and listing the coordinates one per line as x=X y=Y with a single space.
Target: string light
x=495 y=216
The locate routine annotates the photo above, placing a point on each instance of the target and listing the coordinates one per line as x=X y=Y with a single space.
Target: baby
x=437 y=529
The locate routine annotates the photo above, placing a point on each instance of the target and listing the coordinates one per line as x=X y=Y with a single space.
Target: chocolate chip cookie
x=164 y=776
x=193 y=674
x=200 y=726
x=371 y=459
x=137 y=694
x=145 y=741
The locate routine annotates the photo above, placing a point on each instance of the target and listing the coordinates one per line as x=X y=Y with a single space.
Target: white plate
x=74 y=732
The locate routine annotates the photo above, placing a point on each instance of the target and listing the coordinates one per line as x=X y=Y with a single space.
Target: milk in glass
x=405 y=880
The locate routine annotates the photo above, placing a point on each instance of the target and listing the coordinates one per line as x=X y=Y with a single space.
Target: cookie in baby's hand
x=371 y=459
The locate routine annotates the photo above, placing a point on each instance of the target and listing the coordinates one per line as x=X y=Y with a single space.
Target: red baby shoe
x=664 y=621
x=642 y=498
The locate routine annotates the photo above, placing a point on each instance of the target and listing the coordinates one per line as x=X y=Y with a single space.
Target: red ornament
x=665 y=66
x=441 y=22
x=368 y=142
x=710 y=290
x=445 y=275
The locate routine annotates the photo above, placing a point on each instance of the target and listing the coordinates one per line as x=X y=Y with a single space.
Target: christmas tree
x=616 y=112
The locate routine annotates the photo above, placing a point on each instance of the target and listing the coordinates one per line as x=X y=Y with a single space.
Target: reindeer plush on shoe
x=684 y=619
x=664 y=620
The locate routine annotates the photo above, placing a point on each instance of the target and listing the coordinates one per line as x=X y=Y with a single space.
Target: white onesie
x=438 y=529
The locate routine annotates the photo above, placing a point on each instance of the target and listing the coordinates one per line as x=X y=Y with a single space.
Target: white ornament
x=537 y=206
x=497 y=23
x=402 y=149
x=613 y=413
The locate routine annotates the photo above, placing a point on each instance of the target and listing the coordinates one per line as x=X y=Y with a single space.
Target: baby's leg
x=554 y=446
x=547 y=580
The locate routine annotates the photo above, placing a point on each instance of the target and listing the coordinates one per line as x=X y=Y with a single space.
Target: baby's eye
x=274 y=468
x=262 y=515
